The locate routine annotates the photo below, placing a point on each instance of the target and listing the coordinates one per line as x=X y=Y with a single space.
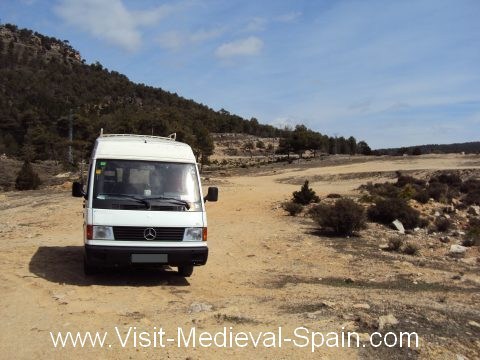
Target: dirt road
x=265 y=270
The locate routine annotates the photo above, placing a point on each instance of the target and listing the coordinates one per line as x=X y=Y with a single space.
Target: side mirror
x=212 y=194
x=77 y=189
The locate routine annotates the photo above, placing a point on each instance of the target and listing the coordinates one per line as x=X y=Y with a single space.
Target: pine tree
x=27 y=178
x=306 y=195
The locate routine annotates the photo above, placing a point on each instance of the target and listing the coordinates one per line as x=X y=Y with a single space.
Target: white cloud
x=249 y=46
x=256 y=24
x=174 y=40
x=110 y=20
x=204 y=35
x=283 y=122
x=288 y=17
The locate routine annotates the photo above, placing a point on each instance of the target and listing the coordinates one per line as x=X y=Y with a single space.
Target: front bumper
x=120 y=256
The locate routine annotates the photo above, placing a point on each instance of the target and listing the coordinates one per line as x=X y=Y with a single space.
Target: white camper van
x=143 y=204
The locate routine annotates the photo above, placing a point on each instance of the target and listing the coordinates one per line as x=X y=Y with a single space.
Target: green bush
x=343 y=218
x=470 y=185
x=306 y=195
x=315 y=211
x=421 y=195
x=474 y=222
x=395 y=243
x=368 y=199
x=387 y=210
x=450 y=179
x=292 y=208
x=472 y=237
x=441 y=188
x=384 y=190
x=438 y=191
x=424 y=222
x=408 y=192
x=27 y=178
x=443 y=224
x=403 y=180
x=473 y=198
x=410 y=249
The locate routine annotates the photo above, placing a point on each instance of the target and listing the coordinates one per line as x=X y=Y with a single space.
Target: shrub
x=407 y=192
x=472 y=237
x=422 y=196
x=386 y=190
x=403 y=180
x=315 y=211
x=410 y=249
x=438 y=191
x=395 y=243
x=470 y=185
x=367 y=198
x=423 y=223
x=334 y=196
x=305 y=196
x=443 y=224
x=27 y=178
x=343 y=218
x=450 y=179
x=249 y=145
x=292 y=208
x=473 y=198
x=387 y=210
x=474 y=222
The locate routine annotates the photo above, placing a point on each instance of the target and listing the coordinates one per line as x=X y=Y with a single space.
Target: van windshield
x=145 y=185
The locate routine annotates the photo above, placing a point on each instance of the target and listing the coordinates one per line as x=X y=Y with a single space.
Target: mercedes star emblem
x=150 y=234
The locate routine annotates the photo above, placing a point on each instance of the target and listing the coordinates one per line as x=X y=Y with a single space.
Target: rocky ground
x=266 y=269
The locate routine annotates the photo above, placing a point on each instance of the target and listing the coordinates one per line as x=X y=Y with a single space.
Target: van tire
x=185 y=270
x=88 y=269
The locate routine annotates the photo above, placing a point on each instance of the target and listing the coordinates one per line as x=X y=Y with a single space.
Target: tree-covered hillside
x=467 y=147
x=44 y=80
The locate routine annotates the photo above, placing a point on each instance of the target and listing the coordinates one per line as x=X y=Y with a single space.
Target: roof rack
x=172 y=136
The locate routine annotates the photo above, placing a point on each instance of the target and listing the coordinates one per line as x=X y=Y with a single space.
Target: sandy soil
x=265 y=270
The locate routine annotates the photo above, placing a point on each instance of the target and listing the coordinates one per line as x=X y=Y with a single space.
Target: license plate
x=149 y=258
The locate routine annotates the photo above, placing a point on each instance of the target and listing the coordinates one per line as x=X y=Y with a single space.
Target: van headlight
x=101 y=232
x=192 y=234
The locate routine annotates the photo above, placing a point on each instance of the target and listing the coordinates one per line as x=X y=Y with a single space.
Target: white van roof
x=142 y=147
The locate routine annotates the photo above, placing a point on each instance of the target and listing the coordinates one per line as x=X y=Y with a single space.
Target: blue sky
x=393 y=73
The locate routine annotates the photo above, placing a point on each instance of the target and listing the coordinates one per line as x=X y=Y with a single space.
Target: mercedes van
x=143 y=204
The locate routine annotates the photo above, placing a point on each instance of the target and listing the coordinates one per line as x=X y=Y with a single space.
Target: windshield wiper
x=137 y=199
x=171 y=200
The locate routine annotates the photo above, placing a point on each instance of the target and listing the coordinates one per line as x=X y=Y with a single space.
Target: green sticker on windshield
x=103 y=163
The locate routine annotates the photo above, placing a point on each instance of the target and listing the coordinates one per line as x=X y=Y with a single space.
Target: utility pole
x=70 y=137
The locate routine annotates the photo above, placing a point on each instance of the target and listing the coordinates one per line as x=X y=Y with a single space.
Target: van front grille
x=138 y=233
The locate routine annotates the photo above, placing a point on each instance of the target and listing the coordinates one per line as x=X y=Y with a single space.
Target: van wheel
x=89 y=269
x=185 y=270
